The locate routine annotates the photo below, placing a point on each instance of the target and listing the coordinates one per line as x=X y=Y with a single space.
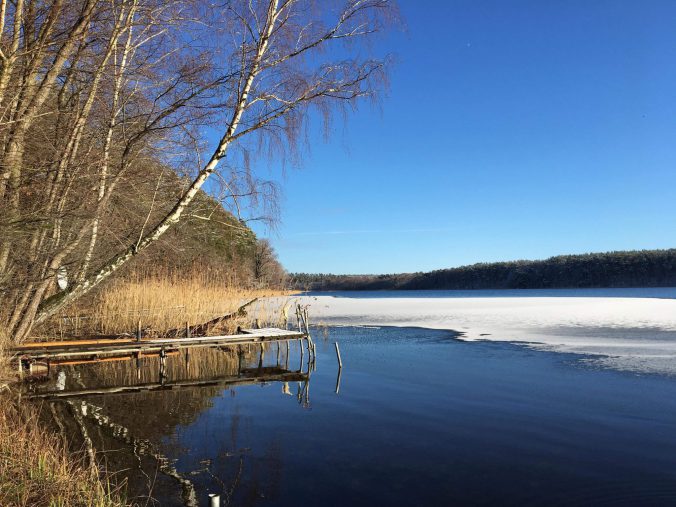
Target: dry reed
x=7 y=375
x=161 y=302
x=36 y=468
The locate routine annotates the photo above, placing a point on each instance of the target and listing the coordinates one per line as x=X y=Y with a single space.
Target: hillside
x=208 y=238
x=642 y=268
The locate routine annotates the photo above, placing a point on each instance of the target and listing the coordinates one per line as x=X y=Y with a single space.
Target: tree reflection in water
x=129 y=412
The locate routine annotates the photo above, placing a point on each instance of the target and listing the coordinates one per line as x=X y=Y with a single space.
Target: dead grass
x=7 y=375
x=36 y=468
x=161 y=302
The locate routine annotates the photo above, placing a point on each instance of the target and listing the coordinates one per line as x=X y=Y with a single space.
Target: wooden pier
x=105 y=348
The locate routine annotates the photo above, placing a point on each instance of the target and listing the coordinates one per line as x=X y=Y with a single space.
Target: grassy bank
x=37 y=469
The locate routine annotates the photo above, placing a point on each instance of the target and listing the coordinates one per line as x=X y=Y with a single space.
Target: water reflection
x=420 y=419
x=220 y=366
x=130 y=411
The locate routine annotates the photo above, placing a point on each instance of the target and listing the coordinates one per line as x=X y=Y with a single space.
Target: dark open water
x=420 y=419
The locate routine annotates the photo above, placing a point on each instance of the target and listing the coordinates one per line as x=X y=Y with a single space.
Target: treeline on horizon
x=641 y=268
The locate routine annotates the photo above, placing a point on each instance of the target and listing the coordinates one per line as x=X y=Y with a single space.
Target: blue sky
x=511 y=130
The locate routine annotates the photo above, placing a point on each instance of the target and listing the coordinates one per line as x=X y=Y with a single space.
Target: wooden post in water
x=312 y=348
x=163 y=363
x=306 y=318
x=240 y=353
x=138 y=331
x=340 y=362
x=300 y=345
x=262 y=357
x=214 y=500
x=298 y=318
x=306 y=393
x=187 y=330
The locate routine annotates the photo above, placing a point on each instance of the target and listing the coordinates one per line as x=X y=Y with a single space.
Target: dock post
x=340 y=362
x=163 y=364
x=300 y=344
x=138 y=331
x=306 y=393
x=306 y=318
x=187 y=330
x=214 y=500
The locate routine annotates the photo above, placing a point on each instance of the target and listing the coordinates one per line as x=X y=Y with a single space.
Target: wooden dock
x=98 y=349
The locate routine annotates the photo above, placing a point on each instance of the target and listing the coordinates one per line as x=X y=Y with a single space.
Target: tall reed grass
x=161 y=301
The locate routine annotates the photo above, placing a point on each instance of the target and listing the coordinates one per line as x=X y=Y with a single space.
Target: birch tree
x=94 y=92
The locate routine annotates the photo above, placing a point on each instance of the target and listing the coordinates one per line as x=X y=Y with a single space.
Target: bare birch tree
x=95 y=93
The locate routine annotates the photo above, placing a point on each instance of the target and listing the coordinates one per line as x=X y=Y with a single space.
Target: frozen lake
x=631 y=329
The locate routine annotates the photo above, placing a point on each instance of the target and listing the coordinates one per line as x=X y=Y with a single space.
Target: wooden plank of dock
x=73 y=348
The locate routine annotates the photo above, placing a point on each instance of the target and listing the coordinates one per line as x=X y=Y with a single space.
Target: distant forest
x=643 y=268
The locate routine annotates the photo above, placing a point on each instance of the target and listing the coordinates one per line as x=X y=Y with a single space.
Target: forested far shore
x=636 y=268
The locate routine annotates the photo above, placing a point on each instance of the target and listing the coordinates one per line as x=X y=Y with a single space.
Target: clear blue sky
x=511 y=130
